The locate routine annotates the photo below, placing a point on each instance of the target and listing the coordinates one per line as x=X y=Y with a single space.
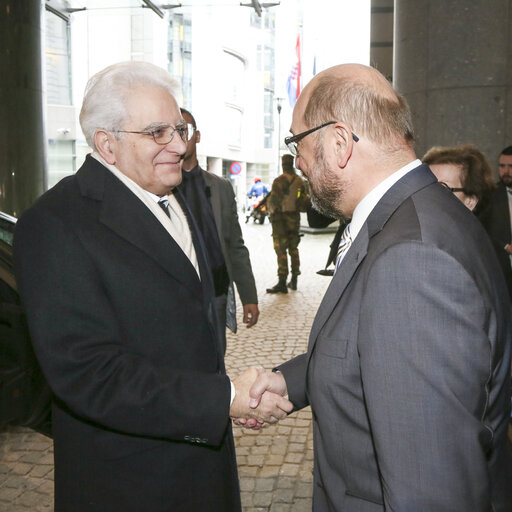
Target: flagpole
x=278 y=101
x=301 y=46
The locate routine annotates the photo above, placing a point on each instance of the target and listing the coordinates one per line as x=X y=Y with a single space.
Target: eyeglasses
x=291 y=142
x=452 y=189
x=163 y=134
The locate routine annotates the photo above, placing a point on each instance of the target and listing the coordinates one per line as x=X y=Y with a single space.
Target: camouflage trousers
x=285 y=232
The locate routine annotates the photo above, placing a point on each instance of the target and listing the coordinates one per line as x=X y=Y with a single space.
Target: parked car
x=25 y=398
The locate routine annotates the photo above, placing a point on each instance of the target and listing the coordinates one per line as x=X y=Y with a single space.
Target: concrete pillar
x=381 y=36
x=453 y=63
x=22 y=140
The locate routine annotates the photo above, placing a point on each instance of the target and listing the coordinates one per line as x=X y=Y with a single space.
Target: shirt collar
x=368 y=203
x=155 y=197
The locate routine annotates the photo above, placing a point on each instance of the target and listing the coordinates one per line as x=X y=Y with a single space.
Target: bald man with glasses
x=407 y=371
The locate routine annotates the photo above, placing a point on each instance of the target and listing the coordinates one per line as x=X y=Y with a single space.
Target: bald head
x=358 y=73
x=361 y=97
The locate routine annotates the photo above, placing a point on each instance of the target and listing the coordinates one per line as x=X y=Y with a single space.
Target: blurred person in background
x=213 y=204
x=496 y=217
x=287 y=199
x=258 y=188
x=465 y=171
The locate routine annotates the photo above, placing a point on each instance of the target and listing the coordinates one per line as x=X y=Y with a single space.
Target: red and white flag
x=293 y=82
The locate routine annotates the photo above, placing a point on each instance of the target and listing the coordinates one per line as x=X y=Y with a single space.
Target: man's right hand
x=272 y=382
x=268 y=403
x=266 y=383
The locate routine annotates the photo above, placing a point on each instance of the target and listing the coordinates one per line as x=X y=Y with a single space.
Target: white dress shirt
x=370 y=200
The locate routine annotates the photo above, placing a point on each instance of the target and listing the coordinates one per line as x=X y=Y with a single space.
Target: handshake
x=261 y=399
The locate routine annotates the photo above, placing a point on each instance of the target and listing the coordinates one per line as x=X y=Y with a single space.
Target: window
x=58 y=63
x=179 y=53
x=233 y=127
x=6 y=230
x=233 y=67
x=61 y=160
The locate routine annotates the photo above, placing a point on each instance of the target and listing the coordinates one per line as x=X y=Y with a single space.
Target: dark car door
x=25 y=398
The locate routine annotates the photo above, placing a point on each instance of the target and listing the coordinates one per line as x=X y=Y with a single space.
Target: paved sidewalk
x=275 y=464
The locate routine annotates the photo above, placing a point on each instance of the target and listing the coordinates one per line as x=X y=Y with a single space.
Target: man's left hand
x=251 y=314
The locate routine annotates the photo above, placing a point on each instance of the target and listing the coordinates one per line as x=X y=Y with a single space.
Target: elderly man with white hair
x=118 y=293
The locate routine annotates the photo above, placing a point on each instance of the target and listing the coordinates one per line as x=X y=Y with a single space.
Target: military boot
x=293 y=283
x=280 y=287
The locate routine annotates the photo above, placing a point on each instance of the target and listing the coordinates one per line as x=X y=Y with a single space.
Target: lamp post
x=278 y=102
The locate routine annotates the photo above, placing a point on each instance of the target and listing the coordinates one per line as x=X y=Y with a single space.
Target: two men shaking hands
x=261 y=399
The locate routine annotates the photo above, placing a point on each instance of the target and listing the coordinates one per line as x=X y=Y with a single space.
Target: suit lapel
x=339 y=283
x=126 y=215
x=413 y=181
x=199 y=247
x=206 y=277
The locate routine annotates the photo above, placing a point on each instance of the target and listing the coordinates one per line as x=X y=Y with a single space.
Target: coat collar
x=405 y=187
x=123 y=212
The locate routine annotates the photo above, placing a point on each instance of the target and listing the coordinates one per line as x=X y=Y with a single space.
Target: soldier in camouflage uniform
x=284 y=204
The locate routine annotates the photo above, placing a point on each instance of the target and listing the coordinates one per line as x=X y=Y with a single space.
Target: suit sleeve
x=294 y=372
x=238 y=253
x=78 y=340
x=425 y=365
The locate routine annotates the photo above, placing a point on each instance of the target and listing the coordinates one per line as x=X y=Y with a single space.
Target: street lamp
x=278 y=102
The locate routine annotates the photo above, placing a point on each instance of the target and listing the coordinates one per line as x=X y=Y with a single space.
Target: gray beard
x=324 y=207
x=326 y=193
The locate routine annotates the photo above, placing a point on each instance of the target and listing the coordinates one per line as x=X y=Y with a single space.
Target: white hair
x=107 y=92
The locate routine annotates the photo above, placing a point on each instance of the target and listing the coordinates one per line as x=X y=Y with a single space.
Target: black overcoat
x=123 y=329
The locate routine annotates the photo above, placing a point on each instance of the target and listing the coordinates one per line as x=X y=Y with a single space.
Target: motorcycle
x=257 y=210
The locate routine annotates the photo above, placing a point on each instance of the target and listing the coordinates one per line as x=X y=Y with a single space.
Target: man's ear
x=104 y=144
x=197 y=135
x=344 y=143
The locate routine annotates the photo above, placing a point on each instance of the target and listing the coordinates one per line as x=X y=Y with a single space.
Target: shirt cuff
x=233 y=393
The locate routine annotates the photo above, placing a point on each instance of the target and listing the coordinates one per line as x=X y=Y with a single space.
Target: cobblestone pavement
x=274 y=464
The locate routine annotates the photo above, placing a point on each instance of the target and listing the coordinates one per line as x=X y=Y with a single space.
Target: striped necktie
x=164 y=204
x=343 y=247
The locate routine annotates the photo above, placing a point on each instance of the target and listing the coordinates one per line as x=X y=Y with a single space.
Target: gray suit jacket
x=235 y=252
x=407 y=370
